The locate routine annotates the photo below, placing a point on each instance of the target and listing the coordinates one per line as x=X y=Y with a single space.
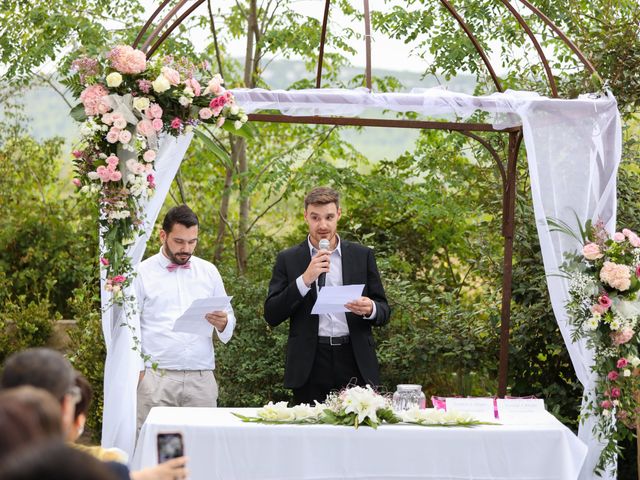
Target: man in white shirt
x=165 y=286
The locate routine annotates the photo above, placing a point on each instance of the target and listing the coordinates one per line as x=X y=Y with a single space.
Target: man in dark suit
x=326 y=352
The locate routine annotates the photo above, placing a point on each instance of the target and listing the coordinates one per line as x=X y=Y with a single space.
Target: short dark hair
x=180 y=214
x=322 y=196
x=86 y=394
x=40 y=367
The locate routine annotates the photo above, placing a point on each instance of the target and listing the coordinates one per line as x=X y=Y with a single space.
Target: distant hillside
x=49 y=113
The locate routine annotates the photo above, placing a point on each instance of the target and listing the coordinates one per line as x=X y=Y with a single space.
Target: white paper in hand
x=333 y=298
x=193 y=321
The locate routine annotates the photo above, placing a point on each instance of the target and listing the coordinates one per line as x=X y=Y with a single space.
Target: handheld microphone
x=323 y=245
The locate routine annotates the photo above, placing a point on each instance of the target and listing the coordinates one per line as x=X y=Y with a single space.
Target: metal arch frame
x=507 y=172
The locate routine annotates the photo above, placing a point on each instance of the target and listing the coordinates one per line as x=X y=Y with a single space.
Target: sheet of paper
x=481 y=408
x=332 y=299
x=519 y=410
x=193 y=321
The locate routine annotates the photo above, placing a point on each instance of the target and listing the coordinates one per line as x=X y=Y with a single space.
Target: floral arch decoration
x=564 y=180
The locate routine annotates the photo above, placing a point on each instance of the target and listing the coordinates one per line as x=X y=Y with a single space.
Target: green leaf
x=78 y=113
x=247 y=131
x=213 y=147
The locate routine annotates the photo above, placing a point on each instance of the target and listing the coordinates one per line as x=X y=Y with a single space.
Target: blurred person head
x=179 y=234
x=19 y=428
x=47 y=369
x=45 y=409
x=53 y=460
x=82 y=408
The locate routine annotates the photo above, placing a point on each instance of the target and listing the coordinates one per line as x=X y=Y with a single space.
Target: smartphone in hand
x=170 y=445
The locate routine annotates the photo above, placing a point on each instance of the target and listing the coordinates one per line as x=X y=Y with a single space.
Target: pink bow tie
x=172 y=267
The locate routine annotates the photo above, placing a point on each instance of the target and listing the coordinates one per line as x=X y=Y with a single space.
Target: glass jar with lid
x=408 y=396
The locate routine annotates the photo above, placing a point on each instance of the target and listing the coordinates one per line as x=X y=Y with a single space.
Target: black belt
x=333 y=341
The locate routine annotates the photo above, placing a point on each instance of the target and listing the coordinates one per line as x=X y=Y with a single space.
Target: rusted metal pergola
x=507 y=167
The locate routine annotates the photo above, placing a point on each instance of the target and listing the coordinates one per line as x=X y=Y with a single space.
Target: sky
x=386 y=54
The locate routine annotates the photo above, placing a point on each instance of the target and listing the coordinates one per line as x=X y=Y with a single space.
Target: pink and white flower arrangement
x=126 y=103
x=604 y=310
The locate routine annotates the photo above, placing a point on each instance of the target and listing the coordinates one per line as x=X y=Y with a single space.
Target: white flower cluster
x=280 y=412
x=433 y=416
x=363 y=402
x=582 y=286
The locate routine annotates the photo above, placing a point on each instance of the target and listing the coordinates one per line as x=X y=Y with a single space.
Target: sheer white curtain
x=123 y=363
x=573 y=149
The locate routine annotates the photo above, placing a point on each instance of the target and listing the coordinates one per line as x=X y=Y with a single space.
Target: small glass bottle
x=408 y=396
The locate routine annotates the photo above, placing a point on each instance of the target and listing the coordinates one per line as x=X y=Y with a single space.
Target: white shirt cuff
x=373 y=312
x=302 y=288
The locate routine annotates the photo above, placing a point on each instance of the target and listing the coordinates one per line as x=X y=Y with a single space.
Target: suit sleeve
x=283 y=297
x=376 y=291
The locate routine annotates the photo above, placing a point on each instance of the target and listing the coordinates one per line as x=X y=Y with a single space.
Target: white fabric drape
x=123 y=364
x=573 y=149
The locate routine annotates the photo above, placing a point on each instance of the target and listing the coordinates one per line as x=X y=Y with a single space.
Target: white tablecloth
x=221 y=446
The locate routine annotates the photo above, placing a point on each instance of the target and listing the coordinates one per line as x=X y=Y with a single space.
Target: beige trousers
x=175 y=388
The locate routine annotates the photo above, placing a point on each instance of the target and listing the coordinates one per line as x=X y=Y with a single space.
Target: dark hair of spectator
x=180 y=214
x=54 y=461
x=40 y=367
x=41 y=406
x=86 y=394
x=18 y=428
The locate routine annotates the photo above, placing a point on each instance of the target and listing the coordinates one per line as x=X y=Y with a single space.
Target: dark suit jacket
x=285 y=302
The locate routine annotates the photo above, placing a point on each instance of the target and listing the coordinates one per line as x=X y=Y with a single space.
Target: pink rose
x=205 y=113
x=90 y=98
x=193 y=84
x=616 y=275
x=76 y=182
x=604 y=301
x=618 y=237
x=125 y=136
x=215 y=85
x=615 y=392
x=104 y=261
x=638 y=271
x=113 y=135
x=220 y=122
x=634 y=240
x=626 y=232
x=172 y=76
x=612 y=376
x=216 y=111
x=107 y=118
x=119 y=122
x=115 y=176
x=150 y=180
x=104 y=173
x=149 y=156
x=176 y=123
x=621 y=336
x=591 y=251
x=78 y=154
x=598 y=309
x=119 y=279
x=155 y=110
x=144 y=86
x=157 y=124
x=623 y=362
x=606 y=404
x=145 y=127
x=112 y=161
x=126 y=59
x=217 y=102
x=103 y=106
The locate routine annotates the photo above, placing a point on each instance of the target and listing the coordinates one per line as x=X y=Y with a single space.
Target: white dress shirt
x=331 y=324
x=162 y=297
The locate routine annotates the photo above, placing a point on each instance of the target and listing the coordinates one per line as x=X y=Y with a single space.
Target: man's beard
x=178 y=259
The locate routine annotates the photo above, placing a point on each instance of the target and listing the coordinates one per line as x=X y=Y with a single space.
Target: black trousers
x=334 y=367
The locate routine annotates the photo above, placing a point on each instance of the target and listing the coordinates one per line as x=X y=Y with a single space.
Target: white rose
x=141 y=103
x=161 y=84
x=114 y=79
x=188 y=91
x=235 y=110
x=635 y=361
x=626 y=372
x=244 y=118
x=93 y=175
x=184 y=101
x=237 y=124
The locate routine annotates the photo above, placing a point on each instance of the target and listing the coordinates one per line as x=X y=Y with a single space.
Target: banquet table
x=221 y=446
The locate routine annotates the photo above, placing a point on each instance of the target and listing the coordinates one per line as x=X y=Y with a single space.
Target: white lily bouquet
x=356 y=406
